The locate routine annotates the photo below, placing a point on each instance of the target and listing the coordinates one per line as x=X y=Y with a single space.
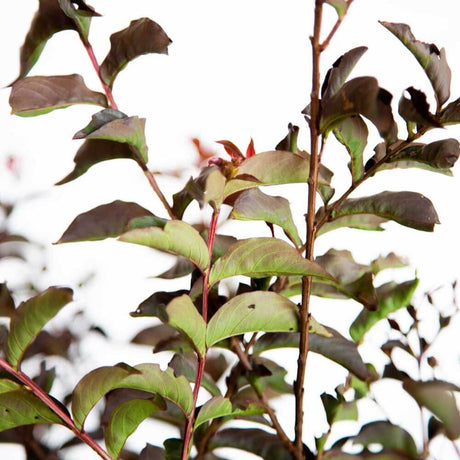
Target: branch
x=201 y=359
x=46 y=399
x=304 y=315
x=340 y=19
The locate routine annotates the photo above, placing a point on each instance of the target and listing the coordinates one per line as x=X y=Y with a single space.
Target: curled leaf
x=429 y=57
x=142 y=36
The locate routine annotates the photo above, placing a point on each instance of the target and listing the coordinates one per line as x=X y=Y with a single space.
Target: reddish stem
x=97 y=68
x=201 y=359
x=46 y=399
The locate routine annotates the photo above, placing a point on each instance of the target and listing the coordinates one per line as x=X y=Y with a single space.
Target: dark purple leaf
x=33 y=96
x=7 y=305
x=451 y=113
x=340 y=70
x=407 y=208
x=360 y=96
x=105 y=221
x=429 y=57
x=98 y=120
x=143 y=36
x=416 y=109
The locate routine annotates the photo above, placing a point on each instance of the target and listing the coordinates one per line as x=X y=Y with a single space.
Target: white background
x=236 y=69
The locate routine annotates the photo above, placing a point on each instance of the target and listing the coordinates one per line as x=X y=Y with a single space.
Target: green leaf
x=340 y=70
x=407 y=208
x=125 y=419
x=336 y=348
x=389 y=436
x=147 y=377
x=256 y=311
x=20 y=407
x=177 y=237
x=222 y=407
x=94 y=151
x=360 y=96
x=257 y=170
x=33 y=96
x=186 y=365
x=357 y=221
x=81 y=16
x=173 y=448
x=182 y=315
x=48 y=20
x=429 y=57
x=352 y=132
x=143 y=36
x=29 y=319
x=259 y=442
x=391 y=297
x=253 y=204
x=338 y=410
x=437 y=156
x=391 y=260
x=105 y=221
x=340 y=6
x=129 y=130
x=8 y=385
x=262 y=257
x=437 y=396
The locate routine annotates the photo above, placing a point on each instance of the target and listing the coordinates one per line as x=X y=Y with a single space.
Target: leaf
x=20 y=407
x=253 y=204
x=156 y=304
x=129 y=130
x=259 y=442
x=105 y=221
x=360 y=96
x=94 y=151
x=336 y=348
x=391 y=297
x=391 y=260
x=182 y=267
x=438 y=398
x=7 y=305
x=341 y=69
x=338 y=410
x=389 y=436
x=147 y=377
x=340 y=6
x=124 y=421
x=33 y=96
x=187 y=366
x=8 y=385
x=407 y=208
x=48 y=20
x=357 y=221
x=219 y=406
x=256 y=311
x=81 y=16
x=177 y=237
x=429 y=57
x=352 y=132
x=182 y=315
x=416 y=109
x=30 y=317
x=142 y=36
x=98 y=120
x=438 y=156
x=450 y=115
x=262 y=257
x=270 y=168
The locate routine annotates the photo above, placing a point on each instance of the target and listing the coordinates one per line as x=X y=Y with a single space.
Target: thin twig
x=304 y=314
x=52 y=405
x=339 y=21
